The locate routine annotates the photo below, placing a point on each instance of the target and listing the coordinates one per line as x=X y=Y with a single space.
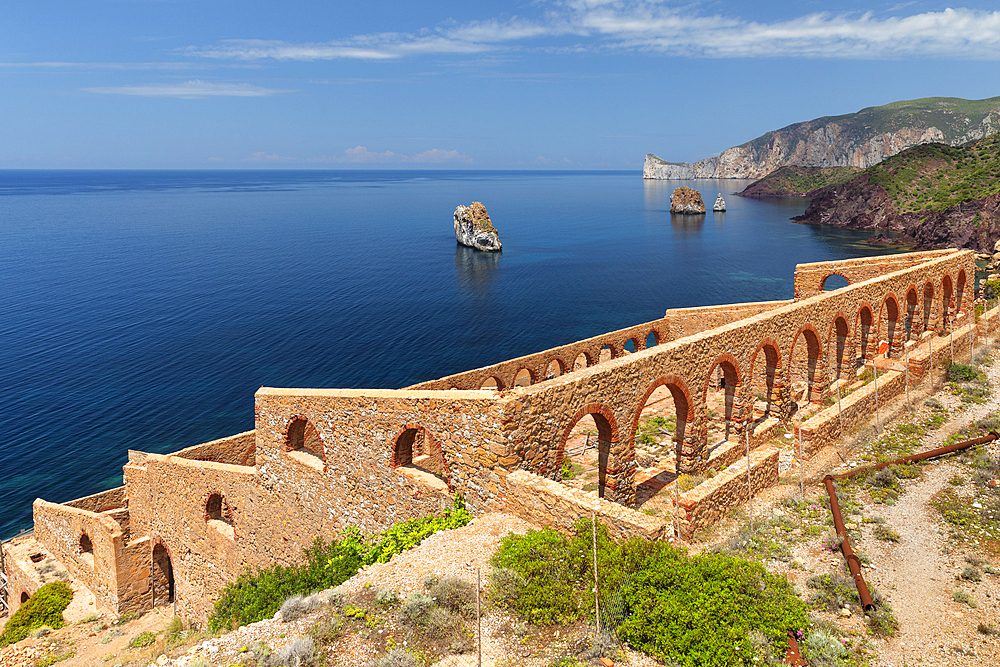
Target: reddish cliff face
x=862 y=204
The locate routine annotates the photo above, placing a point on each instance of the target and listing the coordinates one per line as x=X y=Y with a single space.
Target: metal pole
x=878 y=422
x=749 y=485
x=840 y=416
x=930 y=361
x=972 y=334
x=802 y=463
x=906 y=374
x=677 y=491
x=597 y=608
x=479 y=623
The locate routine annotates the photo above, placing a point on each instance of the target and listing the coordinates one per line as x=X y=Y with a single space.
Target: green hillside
x=793 y=181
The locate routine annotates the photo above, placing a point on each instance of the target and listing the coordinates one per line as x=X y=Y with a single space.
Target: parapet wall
x=235 y=450
x=689 y=321
x=809 y=278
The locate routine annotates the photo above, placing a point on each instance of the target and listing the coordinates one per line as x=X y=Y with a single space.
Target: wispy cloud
x=189 y=90
x=655 y=26
x=361 y=155
x=262 y=156
x=57 y=65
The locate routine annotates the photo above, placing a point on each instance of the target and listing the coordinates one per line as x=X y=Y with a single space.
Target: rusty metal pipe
x=853 y=563
x=794 y=656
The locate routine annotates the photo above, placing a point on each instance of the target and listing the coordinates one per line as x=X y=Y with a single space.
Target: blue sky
x=571 y=84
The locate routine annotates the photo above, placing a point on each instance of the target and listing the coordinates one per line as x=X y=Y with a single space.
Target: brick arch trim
x=393 y=463
x=767 y=341
x=891 y=296
x=532 y=374
x=672 y=383
x=808 y=326
x=724 y=358
x=822 y=283
x=496 y=378
x=589 y=409
x=559 y=362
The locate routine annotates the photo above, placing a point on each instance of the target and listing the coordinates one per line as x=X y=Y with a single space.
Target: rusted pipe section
x=793 y=656
x=853 y=563
x=941 y=451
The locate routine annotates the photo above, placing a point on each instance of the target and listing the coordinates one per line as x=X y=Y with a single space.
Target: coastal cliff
x=860 y=139
x=933 y=196
x=657 y=168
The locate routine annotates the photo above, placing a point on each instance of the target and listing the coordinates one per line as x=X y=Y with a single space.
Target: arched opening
x=86 y=549
x=864 y=327
x=928 y=304
x=419 y=456
x=582 y=361
x=219 y=516
x=653 y=339
x=889 y=324
x=805 y=377
x=162 y=576
x=719 y=397
x=960 y=292
x=585 y=451
x=840 y=334
x=606 y=354
x=909 y=322
x=765 y=374
x=658 y=430
x=832 y=282
x=24 y=597
x=523 y=378
x=946 y=312
x=304 y=443
x=630 y=346
x=491 y=383
x=554 y=369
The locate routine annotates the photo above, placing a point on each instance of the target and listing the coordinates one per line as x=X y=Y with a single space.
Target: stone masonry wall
x=236 y=450
x=809 y=277
x=99 y=502
x=711 y=500
x=546 y=503
x=689 y=321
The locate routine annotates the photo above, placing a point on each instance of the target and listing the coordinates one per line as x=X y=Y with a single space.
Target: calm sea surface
x=141 y=310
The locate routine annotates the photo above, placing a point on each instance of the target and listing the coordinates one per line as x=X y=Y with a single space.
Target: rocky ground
x=938 y=578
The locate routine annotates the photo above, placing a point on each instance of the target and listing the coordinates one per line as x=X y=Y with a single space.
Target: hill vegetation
x=934 y=195
x=794 y=181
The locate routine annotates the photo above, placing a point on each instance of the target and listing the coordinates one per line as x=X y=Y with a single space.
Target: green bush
x=257 y=594
x=692 y=610
x=142 y=640
x=455 y=594
x=44 y=608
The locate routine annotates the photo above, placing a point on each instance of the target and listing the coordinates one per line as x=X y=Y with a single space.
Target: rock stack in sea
x=720 y=204
x=473 y=228
x=686 y=200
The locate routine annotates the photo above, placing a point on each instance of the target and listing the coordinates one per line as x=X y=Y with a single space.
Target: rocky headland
x=686 y=201
x=858 y=140
x=474 y=228
x=932 y=196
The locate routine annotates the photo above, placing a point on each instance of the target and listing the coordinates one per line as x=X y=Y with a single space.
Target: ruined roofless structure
x=320 y=460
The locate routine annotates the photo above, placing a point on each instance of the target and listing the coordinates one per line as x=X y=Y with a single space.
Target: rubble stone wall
x=236 y=450
x=711 y=500
x=809 y=277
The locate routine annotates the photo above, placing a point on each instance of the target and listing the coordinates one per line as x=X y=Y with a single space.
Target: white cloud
x=189 y=90
x=361 y=155
x=655 y=26
x=262 y=156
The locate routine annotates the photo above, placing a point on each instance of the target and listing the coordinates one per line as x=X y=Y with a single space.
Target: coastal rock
x=720 y=204
x=659 y=169
x=860 y=139
x=474 y=228
x=687 y=201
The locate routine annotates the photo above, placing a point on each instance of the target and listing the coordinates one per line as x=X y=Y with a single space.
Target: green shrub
x=387 y=597
x=882 y=623
x=44 y=608
x=833 y=591
x=257 y=594
x=964 y=598
x=142 y=640
x=416 y=610
x=395 y=657
x=971 y=574
x=885 y=533
x=455 y=594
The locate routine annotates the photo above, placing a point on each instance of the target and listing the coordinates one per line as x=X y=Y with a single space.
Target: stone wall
x=546 y=503
x=809 y=277
x=689 y=321
x=23 y=578
x=236 y=450
x=99 y=502
x=711 y=500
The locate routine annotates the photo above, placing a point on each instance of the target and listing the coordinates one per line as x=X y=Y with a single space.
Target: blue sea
x=142 y=309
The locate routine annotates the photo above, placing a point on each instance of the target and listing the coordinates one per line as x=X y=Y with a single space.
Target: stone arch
x=492 y=382
x=162 y=575
x=946 y=294
x=635 y=345
x=559 y=368
x=303 y=437
x=86 y=549
x=524 y=377
x=655 y=335
x=582 y=360
x=928 y=304
x=615 y=469
x=415 y=449
x=839 y=335
x=889 y=314
x=822 y=283
x=862 y=328
x=612 y=352
x=730 y=382
x=217 y=509
x=24 y=597
x=813 y=379
x=910 y=318
x=960 y=285
x=683 y=407
x=772 y=382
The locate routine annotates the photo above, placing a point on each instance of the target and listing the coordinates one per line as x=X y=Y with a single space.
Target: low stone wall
x=711 y=500
x=810 y=276
x=547 y=503
x=237 y=450
x=689 y=321
x=103 y=501
x=23 y=578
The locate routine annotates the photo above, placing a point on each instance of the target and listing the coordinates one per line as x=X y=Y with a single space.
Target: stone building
x=319 y=460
